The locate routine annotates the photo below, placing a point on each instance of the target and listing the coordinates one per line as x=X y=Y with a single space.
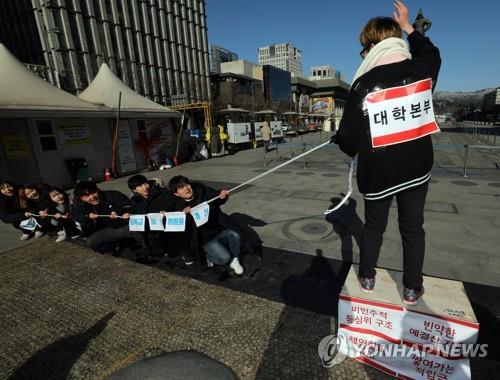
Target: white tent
x=105 y=89
x=22 y=91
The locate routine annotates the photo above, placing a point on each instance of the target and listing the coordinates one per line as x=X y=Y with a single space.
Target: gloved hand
x=334 y=139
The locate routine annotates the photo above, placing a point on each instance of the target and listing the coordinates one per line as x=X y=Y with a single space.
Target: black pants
x=411 y=219
x=173 y=243
x=101 y=240
x=68 y=225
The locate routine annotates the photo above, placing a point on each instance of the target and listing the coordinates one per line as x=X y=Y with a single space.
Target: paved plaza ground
x=67 y=312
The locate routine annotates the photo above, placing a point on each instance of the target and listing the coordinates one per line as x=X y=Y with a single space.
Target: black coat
x=202 y=193
x=10 y=209
x=42 y=203
x=159 y=199
x=109 y=201
x=384 y=171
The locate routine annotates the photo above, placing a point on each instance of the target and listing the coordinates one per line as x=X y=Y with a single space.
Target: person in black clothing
x=36 y=197
x=103 y=217
x=150 y=197
x=402 y=170
x=60 y=207
x=11 y=210
x=221 y=245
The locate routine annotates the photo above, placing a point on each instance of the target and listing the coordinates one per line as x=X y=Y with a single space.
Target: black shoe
x=117 y=250
x=188 y=259
x=412 y=296
x=366 y=284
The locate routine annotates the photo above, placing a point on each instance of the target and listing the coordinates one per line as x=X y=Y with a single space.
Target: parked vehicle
x=237 y=125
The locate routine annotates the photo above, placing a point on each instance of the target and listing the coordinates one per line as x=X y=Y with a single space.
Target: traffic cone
x=107 y=175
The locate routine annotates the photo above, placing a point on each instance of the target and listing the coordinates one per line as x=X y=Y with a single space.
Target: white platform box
x=427 y=341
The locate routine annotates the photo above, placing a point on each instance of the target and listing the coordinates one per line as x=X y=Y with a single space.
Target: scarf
x=387 y=51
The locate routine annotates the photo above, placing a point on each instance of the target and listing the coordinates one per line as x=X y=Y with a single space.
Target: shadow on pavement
x=56 y=360
x=298 y=333
x=484 y=300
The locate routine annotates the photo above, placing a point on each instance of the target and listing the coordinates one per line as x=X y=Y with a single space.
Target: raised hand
x=401 y=16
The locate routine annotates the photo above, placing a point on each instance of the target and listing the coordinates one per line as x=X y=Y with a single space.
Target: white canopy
x=105 y=89
x=21 y=90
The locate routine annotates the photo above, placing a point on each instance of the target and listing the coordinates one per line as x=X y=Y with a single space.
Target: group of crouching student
x=101 y=218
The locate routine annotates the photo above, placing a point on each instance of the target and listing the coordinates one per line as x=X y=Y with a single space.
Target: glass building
x=157 y=47
x=220 y=55
x=277 y=87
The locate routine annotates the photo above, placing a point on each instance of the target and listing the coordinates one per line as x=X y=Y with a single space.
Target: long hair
x=41 y=188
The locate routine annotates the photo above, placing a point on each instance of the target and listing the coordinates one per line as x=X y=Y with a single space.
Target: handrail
x=466 y=153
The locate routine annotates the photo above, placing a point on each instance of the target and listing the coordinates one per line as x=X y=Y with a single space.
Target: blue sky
x=466 y=32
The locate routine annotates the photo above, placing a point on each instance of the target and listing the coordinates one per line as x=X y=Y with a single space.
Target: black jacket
x=10 y=209
x=109 y=201
x=42 y=203
x=202 y=193
x=159 y=199
x=382 y=172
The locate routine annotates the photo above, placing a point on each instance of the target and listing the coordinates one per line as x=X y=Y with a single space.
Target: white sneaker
x=39 y=234
x=209 y=263
x=236 y=266
x=61 y=237
x=59 y=233
x=24 y=237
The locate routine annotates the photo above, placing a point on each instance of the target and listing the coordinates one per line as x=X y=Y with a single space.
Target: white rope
x=349 y=190
x=62 y=216
x=273 y=169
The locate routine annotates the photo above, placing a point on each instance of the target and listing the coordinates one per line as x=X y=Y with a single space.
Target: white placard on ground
x=441 y=320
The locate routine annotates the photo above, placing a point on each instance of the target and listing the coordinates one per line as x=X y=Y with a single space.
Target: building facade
x=325 y=72
x=158 y=48
x=240 y=67
x=220 y=55
x=491 y=105
x=283 y=56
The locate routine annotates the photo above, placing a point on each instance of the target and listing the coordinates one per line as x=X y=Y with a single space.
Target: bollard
x=466 y=147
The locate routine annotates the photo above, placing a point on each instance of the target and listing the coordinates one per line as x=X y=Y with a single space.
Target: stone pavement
x=67 y=312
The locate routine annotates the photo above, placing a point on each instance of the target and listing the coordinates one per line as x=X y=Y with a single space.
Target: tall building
x=158 y=48
x=283 y=56
x=220 y=55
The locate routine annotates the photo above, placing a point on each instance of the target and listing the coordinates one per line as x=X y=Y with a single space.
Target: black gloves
x=334 y=139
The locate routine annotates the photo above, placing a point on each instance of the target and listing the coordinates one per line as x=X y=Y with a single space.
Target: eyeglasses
x=364 y=52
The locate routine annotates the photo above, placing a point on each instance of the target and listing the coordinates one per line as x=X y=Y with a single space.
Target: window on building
x=46 y=134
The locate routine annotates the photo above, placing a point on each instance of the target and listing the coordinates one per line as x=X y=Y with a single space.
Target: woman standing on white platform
x=392 y=164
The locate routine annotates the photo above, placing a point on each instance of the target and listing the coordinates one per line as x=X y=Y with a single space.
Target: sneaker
x=366 y=284
x=59 y=233
x=39 y=234
x=188 y=260
x=61 y=237
x=75 y=236
x=25 y=237
x=412 y=296
x=236 y=266
x=210 y=264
